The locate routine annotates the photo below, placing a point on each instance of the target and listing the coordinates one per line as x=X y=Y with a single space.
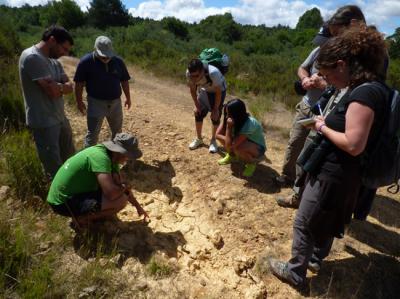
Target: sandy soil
x=210 y=224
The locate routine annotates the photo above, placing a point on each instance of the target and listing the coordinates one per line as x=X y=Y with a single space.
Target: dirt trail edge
x=208 y=224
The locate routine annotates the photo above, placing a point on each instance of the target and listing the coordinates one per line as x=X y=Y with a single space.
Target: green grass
x=22 y=166
x=28 y=251
x=259 y=106
x=159 y=267
x=102 y=277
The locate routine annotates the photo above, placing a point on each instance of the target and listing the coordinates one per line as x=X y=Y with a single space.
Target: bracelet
x=320 y=128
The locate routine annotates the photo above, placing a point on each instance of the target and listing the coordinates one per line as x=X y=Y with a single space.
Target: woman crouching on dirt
x=352 y=59
x=242 y=137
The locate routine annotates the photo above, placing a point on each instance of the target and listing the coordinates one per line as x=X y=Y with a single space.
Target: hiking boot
x=196 y=143
x=314 y=267
x=249 y=169
x=213 y=146
x=280 y=270
x=291 y=201
x=284 y=181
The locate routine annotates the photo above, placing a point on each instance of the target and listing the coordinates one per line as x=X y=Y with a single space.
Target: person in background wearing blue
x=103 y=74
x=242 y=137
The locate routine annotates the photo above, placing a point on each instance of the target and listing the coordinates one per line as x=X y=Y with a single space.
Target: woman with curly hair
x=242 y=136
x=352 y=59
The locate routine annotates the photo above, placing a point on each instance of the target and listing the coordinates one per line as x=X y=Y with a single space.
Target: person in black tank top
x=352 y=59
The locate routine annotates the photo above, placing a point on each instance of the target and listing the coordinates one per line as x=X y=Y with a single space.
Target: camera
x=310 y=160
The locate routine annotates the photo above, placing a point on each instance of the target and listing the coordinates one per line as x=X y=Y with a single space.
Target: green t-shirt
x=253 y=130
x=78 y=174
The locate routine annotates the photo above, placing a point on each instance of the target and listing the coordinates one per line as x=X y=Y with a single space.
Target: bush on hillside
x=12 y=114
x=22 y=166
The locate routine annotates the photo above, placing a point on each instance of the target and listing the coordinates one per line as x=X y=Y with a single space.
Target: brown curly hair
x=363 y=50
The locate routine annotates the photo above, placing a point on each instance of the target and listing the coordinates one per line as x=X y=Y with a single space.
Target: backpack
x=381 y=163
x=213 y=56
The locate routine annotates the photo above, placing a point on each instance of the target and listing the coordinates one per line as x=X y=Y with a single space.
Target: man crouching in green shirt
x=88 y=185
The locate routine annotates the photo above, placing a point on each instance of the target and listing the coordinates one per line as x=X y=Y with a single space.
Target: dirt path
x=207 y=222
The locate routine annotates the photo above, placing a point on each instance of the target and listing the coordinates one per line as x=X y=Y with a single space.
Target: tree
x=104 y=13
x=394 y=44
x=175 y=26
x=310 y=19
x=221 y=28
x=65 y=13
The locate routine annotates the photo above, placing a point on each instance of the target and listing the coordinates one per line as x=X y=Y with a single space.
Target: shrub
x=11 y=105
x=22 y=166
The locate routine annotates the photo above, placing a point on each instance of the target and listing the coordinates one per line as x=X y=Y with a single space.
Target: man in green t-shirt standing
x=88 y=186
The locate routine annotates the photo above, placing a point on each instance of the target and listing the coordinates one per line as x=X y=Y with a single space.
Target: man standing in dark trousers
x=103 y=74
x=314 y=86
x=44 y=83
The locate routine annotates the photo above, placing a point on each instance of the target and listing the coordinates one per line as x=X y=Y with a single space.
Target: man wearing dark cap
x=103 y=74
x=314 y=85
x=44 y=83
x=88 y=186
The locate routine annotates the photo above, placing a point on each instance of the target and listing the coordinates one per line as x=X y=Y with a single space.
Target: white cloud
x=383 y=13
x=186 y=10
x=254 y=12
x=83 y=4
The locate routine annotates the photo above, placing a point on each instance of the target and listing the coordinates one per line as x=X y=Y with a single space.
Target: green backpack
x=214 y=57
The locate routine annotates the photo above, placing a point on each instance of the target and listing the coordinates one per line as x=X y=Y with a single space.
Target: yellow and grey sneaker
x=226 y=160
x=249 y=169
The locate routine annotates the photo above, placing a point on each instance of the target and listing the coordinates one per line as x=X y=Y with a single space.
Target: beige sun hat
x=103 y=47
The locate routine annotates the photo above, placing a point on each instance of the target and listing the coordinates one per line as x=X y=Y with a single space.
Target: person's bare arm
x=119 y=180
x=68 y=86
x=78 y=96
x=228 y=134
x=109 y=187
x=318 y=82
x=54 y=89
x=215 y=109
x=220 y=133
x=193 y=93
x=359 y=120
x=125 y=88
x=238 y=141
x=50 y=87
x=304 y=76
x=136 y=204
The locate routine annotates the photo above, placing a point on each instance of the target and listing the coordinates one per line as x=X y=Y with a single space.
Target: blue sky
x=385 y=14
